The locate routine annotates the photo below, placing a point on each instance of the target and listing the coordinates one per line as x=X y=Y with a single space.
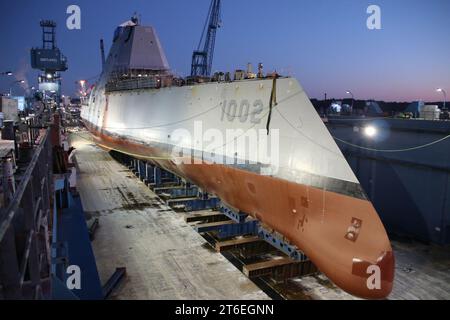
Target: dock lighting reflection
x=445 y=96
x=370 y=131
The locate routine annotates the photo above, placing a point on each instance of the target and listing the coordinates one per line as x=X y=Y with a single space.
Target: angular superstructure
x=136 y=47
x=300 y=185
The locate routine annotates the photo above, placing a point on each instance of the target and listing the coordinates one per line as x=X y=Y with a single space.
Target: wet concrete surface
x=165 y=258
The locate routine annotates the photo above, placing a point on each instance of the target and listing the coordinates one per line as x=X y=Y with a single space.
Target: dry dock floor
x=166 y=259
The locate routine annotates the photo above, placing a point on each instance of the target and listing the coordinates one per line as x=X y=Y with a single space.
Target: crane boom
x=202 y=57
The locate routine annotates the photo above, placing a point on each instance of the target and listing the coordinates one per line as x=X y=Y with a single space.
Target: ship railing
x=125 y=72
x=123 y=78
x=25 y=255
x=148 y=82
x=132 y=84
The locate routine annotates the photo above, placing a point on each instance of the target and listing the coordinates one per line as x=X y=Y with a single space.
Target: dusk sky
x=325 y=44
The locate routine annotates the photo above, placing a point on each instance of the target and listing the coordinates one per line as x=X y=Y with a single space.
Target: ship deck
x=166 y=259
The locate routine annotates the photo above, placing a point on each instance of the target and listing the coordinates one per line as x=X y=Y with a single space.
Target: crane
x=50 y=61
x=202 y=57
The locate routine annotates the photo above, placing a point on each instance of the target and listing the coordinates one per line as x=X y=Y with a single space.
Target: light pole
x=445 y=96
x=353 y=98
x=33 y=91
x=12 y=84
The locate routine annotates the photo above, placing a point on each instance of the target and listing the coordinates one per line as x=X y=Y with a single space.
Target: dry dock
x=166 y=259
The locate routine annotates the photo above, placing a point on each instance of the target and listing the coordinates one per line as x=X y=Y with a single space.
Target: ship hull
x=306 y=215
x=258 y=144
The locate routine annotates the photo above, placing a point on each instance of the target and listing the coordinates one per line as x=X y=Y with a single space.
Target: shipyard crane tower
x=50 y=61
x=203 y=56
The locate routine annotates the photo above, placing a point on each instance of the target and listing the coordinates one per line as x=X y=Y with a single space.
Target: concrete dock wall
x=406 y=176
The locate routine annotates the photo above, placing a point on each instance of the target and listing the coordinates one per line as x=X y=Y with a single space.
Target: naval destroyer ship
x=309 y=194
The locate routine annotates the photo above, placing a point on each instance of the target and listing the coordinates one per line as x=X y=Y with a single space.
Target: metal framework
x=190 y=198
x=24 y=225
x=179 y=195
x=202 y=58
x=48 y=34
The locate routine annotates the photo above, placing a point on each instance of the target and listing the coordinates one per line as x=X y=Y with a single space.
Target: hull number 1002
x=242 y=111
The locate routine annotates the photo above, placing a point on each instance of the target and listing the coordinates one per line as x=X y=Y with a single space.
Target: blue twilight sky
x=323 y=43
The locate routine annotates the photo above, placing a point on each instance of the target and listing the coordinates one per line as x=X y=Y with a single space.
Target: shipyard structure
x=310 y=196
x=217 y=185
x=403 y=168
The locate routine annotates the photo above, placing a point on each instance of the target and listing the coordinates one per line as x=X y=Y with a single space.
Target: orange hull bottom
x=342 y=235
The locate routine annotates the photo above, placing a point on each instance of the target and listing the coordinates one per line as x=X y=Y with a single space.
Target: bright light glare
x=370 y=131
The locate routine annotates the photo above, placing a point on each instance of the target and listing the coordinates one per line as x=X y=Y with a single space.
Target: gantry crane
x=50 y=61
x=202 y=58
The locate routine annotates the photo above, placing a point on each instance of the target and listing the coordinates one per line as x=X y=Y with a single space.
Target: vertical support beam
x=147 y=170
x=281 y=244
x=138 y=169
x=236 y=216
x=9 y=266
x=157 y=176
x=34 y=265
